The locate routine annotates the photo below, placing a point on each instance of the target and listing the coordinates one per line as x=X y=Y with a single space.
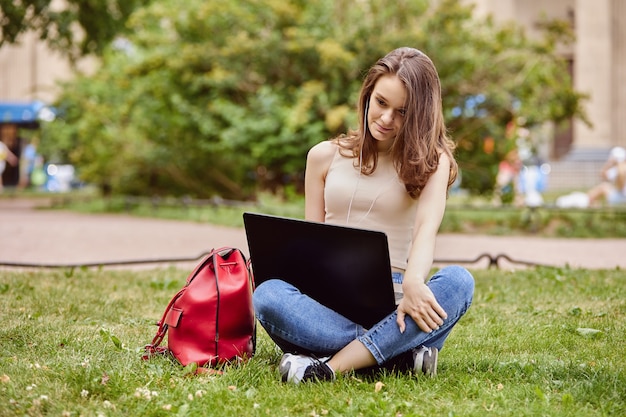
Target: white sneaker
x=292 y=366
x=425 y=361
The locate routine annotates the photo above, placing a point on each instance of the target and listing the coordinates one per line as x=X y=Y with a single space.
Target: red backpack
x=211 y=321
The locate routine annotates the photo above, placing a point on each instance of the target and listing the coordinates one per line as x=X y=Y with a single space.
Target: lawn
x=463 y=214
x=536 y=342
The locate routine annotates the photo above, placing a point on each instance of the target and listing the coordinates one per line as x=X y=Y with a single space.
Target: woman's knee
x=456 y=278
x=456 y=272
x=268 y=295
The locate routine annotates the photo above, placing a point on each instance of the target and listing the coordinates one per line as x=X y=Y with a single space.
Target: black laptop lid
x=346 y=269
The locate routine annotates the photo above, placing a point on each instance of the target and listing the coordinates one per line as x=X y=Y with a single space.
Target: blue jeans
x=299 y=324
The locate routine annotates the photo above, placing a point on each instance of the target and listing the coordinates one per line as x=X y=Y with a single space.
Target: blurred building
x=30 y=71
x=598 y=67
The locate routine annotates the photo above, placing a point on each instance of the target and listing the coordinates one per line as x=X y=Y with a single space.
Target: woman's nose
x=387 y=116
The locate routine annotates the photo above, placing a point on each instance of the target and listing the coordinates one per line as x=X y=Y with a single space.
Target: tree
x=224 y=97
x=82 y=27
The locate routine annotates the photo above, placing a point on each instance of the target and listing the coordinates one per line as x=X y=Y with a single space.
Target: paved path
x=32 y=236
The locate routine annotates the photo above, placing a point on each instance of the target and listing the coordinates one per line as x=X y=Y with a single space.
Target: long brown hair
x=423 y=136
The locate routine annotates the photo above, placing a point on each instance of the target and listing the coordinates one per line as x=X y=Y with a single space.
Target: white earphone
x=367 y=106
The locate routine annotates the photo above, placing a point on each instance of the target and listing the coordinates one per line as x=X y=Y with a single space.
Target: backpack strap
x=153 y=348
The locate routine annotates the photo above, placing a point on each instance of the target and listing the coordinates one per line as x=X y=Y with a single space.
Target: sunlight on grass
x=545 y=341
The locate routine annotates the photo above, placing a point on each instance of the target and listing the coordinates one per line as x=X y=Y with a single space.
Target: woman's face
x=386 y=110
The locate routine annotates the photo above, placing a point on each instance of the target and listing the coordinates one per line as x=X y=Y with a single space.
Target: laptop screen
x=346 y=269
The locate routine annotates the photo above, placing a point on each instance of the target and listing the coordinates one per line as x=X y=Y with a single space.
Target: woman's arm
x=608 y=171
x=419 y=302
x=317 y=164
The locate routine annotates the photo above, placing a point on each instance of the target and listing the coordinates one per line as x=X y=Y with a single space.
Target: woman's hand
x=420 y=304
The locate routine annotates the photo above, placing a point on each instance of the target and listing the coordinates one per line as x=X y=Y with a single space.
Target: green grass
x=537 y=342
x=545 y=222
x=463 y=215
x=226 y=213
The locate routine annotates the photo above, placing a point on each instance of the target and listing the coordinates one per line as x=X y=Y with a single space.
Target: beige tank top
x=377 y=202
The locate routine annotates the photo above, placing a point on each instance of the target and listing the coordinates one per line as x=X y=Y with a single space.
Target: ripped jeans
x=299 y=324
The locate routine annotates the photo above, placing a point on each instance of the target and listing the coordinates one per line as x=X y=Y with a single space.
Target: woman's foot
x=302 y=368
x=425 y=361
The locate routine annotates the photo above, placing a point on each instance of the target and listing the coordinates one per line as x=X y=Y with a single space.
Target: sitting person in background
x=612 y=189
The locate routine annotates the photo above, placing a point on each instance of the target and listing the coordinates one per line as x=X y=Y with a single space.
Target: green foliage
x=224 y=98
x=536 y=342
x=99 y=21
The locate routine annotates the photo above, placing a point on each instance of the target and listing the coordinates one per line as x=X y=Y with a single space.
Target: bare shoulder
x=444 y=160
x=322 y=152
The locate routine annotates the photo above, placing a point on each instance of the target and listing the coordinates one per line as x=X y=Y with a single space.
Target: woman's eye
x=380 y=102
x=402 y=112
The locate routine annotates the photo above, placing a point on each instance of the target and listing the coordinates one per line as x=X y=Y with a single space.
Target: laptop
x=344 y=268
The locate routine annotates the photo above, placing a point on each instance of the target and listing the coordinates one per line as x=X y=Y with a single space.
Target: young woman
x=391 y=175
